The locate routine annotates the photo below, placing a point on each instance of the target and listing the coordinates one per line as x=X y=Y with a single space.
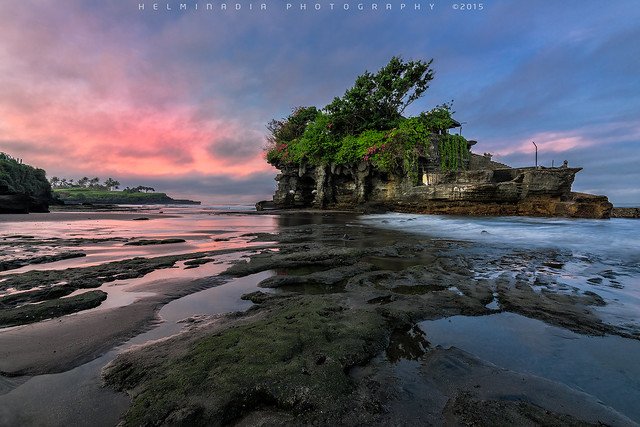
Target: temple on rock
x=361 y=151
x=479 y=187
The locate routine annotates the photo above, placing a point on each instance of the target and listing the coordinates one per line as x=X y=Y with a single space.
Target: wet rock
x=195 y=263
x=147 y=242
x=625 y=212
x=256 y=297
x=30 y=313
x=327 y=277
x=44 y=259
x=554 y=264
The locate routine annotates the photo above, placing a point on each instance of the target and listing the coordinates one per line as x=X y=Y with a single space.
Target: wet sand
x=58 y=345
x=78 y=216
x=79 y=338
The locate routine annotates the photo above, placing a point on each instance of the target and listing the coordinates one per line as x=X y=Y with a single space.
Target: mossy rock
x=30 y=313
x=293 y=355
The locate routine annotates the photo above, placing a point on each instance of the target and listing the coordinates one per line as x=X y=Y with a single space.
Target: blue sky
x=179 y=99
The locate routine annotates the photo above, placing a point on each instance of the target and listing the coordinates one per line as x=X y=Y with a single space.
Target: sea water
x=601 y=256
x=574 y=255
x=611 y=238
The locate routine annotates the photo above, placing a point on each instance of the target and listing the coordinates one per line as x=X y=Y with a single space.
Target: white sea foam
x=601 y=237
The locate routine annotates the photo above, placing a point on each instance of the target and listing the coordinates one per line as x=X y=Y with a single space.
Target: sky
x=179 y=99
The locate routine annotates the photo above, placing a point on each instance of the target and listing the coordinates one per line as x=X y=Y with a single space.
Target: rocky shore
x=335 y=335
x=486 y=188
x=625 y=212
x=321 y=346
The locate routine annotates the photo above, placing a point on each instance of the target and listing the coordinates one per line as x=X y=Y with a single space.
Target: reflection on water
x=605 y=367
x=76 y=396
x=102 y=236
x=408 y=344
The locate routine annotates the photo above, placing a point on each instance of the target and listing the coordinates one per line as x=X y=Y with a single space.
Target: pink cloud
x=565 y=141
x=555 y=142
x=88 y=102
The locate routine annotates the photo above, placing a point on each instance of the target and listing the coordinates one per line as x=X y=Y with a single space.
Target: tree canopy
x=377 y=101
x=367 y=124
x=16 y=177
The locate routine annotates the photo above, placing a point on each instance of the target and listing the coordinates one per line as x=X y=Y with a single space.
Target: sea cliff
x=484 y=188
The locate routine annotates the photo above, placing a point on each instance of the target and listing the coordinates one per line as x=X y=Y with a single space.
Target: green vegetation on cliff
x=18 y=178
x=102 y=196
x=367 y=124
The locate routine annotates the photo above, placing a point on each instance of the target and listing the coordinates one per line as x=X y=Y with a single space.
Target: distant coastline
x=84 y=196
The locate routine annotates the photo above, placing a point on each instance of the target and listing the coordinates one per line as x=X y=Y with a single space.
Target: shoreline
x=343 y=294
x=338 y=307
x=80 y=337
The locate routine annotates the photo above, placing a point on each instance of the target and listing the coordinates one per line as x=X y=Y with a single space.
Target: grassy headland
x=104 y=196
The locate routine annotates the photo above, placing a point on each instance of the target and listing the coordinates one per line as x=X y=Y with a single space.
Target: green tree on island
x=377 y=101
x=367 y=124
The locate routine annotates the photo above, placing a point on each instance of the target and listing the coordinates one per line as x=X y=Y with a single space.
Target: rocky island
x=359 y=151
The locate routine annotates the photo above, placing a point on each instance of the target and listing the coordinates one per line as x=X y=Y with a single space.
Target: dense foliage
x=377 y=101
x=18 y=178
x=366 y=124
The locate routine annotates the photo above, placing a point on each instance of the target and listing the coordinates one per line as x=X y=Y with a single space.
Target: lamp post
x=534 y=144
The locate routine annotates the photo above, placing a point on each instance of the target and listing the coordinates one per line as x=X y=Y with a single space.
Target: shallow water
x=76 y=397
x=557 y=254
x=202 y=229
x=605 y=367
x=615 y=238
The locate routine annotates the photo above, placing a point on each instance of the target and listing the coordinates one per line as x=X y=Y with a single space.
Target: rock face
x=625 y=213
x=485 y=188
x=22 y=203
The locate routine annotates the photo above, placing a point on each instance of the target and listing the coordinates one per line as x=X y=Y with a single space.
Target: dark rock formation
x=484 y=188
x=625 y=213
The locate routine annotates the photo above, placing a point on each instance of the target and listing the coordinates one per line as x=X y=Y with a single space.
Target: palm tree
x=111 y=183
